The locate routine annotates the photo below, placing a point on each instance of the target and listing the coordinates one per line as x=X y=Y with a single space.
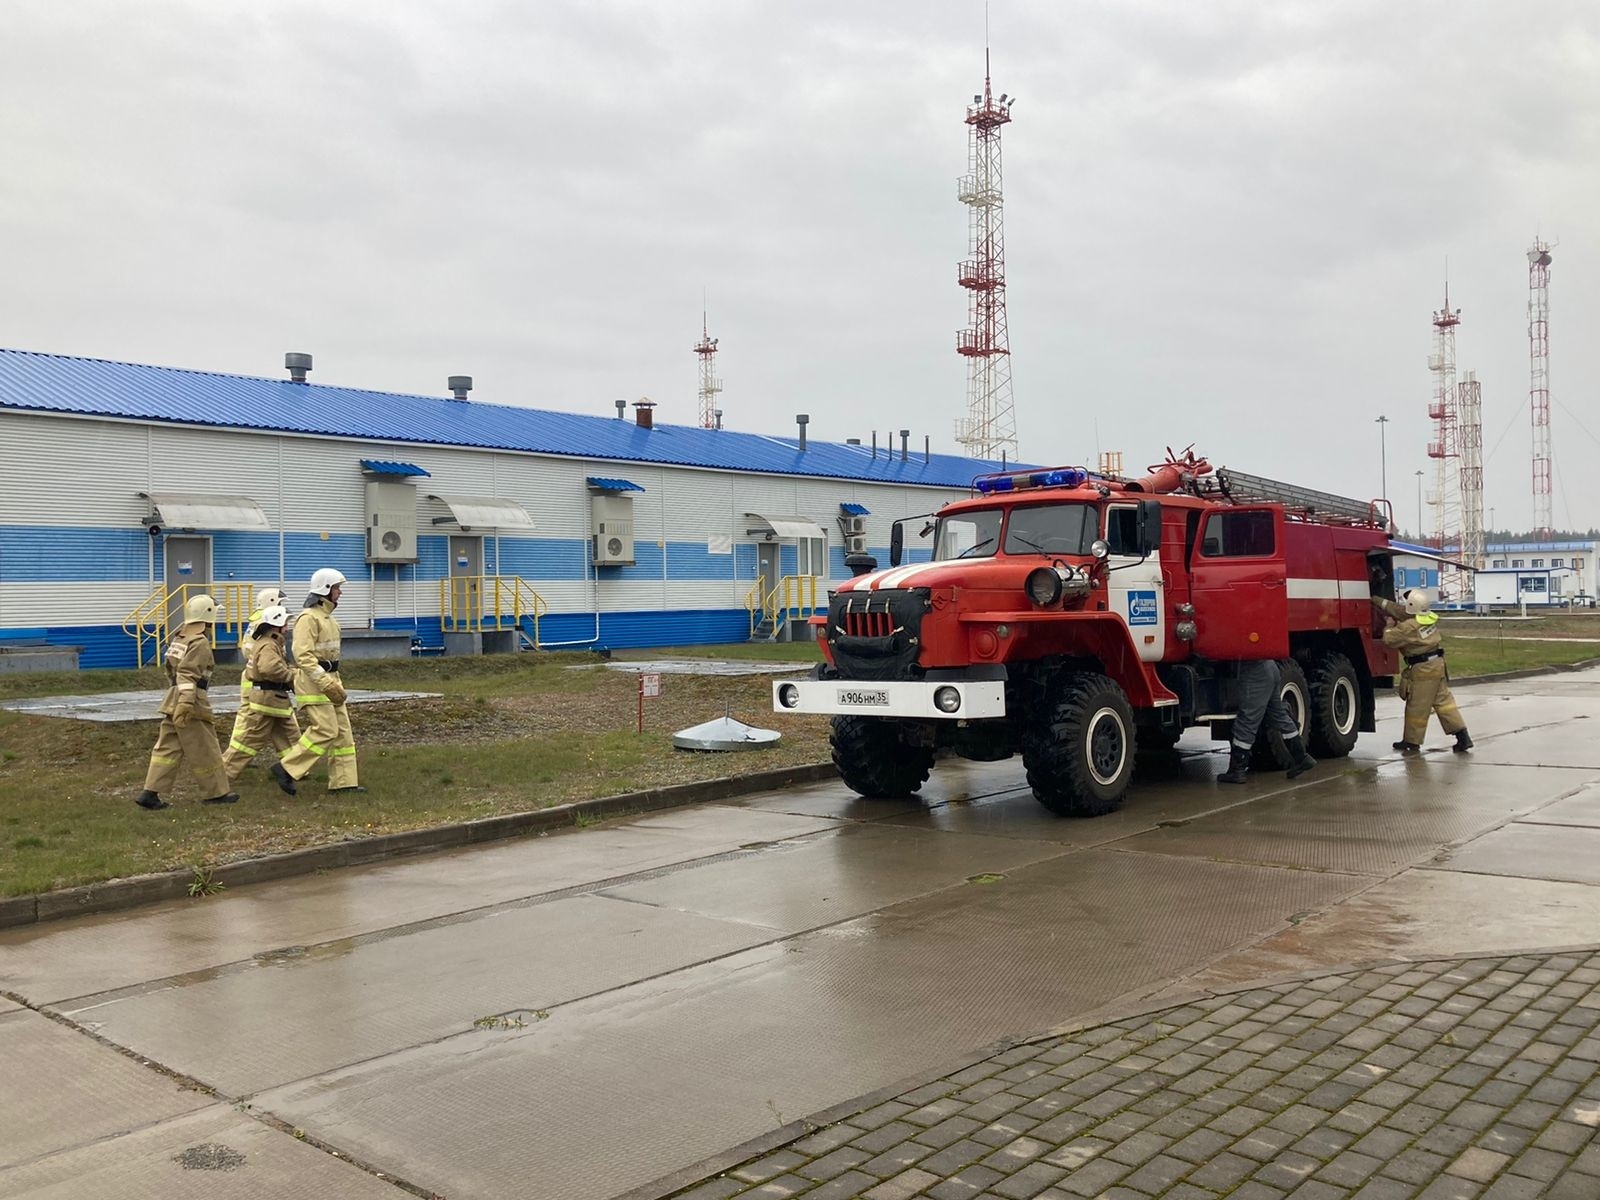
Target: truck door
x=1238 y=587
x=1135 y=583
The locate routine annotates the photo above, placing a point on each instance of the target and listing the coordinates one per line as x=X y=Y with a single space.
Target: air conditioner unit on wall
x=391 y=523
x=613 y=530
x=856 y=543
x=854 y=525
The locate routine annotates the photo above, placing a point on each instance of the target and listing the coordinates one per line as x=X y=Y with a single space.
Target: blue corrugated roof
x=601 y=483
x=96 y=387
x=380 y=466
x=855 y=510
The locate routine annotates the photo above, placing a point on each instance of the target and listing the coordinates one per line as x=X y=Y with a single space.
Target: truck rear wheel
x=1270 y=754
x=1080 y=758
x=1335 y=694
x=874 y=762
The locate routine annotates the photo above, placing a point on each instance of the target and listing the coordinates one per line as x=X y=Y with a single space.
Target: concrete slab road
x=594 y=1013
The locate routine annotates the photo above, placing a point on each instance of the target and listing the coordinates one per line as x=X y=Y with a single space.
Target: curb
x=1527 y=672
x=135 y=890
x=710 y=1168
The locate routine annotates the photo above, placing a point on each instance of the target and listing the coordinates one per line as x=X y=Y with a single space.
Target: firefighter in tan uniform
x=266 y=718
x=1413 y=629
x=265 y=599
x=320 y=693
x=188 y=733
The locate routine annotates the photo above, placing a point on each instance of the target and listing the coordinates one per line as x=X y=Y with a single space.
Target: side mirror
x=1149 y=527
x=897 y=543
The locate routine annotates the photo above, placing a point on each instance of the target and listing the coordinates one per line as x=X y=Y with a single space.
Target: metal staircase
x=793 y=596
x=475 y=603
x=150 y=623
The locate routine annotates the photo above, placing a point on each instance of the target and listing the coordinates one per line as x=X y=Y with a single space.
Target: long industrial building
x=461 y=525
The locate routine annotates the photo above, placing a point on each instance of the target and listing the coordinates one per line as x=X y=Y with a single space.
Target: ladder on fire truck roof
x=1227 y=484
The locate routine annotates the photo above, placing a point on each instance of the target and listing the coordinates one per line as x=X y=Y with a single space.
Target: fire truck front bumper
x=945 y=701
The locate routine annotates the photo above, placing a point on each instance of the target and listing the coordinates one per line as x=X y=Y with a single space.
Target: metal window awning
x=787 y=529
x=192 y=510
x=483 y=512
x=602 y=484
x=855 y=510
x=380 y=466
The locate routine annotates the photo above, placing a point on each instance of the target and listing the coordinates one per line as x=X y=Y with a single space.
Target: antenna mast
x=710 y=384
x=1444 y=448
x=990 y=426
x=1539 y=379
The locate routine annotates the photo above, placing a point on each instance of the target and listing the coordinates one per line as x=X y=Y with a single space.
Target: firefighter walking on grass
x=319 y=691
x=188 y=732
x=266 y=715
x=265 y=599
x=1412 y=628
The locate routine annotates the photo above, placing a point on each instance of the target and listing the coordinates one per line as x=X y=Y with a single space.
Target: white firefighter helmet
x=268 y=596
x=325 y=580
x=277 y=616
x=1417 y=601
x=200 y=608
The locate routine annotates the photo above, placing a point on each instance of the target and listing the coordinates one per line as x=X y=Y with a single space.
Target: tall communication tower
x=1539 y=378
x=1444 y=449
x=1469 y=408
x=990 y=426
x=710 y=384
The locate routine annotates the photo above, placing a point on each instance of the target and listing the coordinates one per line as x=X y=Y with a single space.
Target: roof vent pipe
x=298 y=365
x=802 y=420
x=644 y=414
x=905 y=445
x=852 y=441
x=718 y=414
x=874 y=443
x=927 y=449
x=622 y=408
x=459 y=386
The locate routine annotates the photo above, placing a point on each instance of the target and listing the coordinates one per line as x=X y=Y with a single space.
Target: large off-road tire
x=1335 y=695
x=1269 y=754
x=874 y=762
x=1080 y=757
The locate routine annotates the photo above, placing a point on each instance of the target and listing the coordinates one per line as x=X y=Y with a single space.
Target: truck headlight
x=947 y=700
x=1043 y=586
x=789 y=695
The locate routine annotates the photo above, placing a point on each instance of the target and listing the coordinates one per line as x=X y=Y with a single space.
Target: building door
x=466 y=581
x=188 y=572
x=768 y=558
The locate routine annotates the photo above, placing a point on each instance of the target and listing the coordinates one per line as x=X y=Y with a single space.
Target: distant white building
x=1540 y=574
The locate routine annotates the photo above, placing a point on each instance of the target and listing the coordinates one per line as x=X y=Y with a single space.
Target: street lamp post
x=1421 y=527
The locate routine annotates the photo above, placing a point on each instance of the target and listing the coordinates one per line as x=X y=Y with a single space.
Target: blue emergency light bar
x=1015 y=481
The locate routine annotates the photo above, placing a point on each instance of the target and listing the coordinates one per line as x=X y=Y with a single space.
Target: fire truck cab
x=1079 y=619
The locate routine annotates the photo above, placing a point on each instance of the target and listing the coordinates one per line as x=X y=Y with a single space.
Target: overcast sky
x=1227 y=223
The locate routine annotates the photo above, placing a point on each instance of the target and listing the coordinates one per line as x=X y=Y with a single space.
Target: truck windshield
x=968 y=535
x=1052 y=529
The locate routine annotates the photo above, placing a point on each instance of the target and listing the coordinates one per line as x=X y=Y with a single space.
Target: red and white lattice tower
x=1539 y=379
x=710 y=384
x=1444 y=448
x=990 y=426
x=1469 y=410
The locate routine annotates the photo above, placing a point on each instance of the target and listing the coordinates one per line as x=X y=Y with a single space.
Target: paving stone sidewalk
x=1461 y=1079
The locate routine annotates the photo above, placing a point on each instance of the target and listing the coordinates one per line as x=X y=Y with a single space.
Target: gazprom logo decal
x=1141 y=608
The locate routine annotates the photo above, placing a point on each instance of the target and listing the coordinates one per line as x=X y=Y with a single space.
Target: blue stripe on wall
x=70 y=554
x=306 y=553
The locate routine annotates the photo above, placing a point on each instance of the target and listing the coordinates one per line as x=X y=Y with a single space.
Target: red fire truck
x=1077 y=619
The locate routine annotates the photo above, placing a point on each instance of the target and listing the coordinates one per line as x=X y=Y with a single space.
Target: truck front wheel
x=1080 y=757
x=874 y=762
x=1335 y=706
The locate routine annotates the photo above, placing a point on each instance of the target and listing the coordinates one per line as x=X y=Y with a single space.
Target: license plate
x=858 y=698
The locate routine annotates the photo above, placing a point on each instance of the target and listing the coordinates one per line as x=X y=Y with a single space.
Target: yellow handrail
x=473 y=603
x=152 y=619
x=792 y=593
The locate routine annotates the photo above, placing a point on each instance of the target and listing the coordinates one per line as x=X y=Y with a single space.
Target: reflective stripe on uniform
x=162 y=760
x=241 y=748
x=339 y=751
x=313 y=698
x=271 y=712
x=307 y=743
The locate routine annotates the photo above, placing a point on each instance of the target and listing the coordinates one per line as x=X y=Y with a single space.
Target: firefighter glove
x=334 y=690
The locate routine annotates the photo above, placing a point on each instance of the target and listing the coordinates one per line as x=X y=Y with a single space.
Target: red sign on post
x=649 y=689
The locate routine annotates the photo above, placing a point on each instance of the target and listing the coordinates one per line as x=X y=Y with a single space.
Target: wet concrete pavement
x=580 y=1014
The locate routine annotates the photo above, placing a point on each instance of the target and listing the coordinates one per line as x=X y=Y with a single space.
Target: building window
x=1533 y=584
x=1538 y=562
x=1577 y=564
x=1556 y=562
x=1499 y=562
x=811 y=557
x=1516 y=562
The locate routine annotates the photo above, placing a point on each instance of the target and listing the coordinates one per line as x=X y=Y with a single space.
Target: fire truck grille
x=876 y=635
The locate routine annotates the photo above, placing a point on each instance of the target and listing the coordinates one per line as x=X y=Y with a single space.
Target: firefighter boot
x=1300 y=762
x=1463 y=742
x=225 y=798
x=285 y=780
x=1238 y=766
x=150 y=800
x=1408 y=748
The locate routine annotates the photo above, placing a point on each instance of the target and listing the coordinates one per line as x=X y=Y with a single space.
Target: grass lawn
x=511 y=734
x=1489 y=645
